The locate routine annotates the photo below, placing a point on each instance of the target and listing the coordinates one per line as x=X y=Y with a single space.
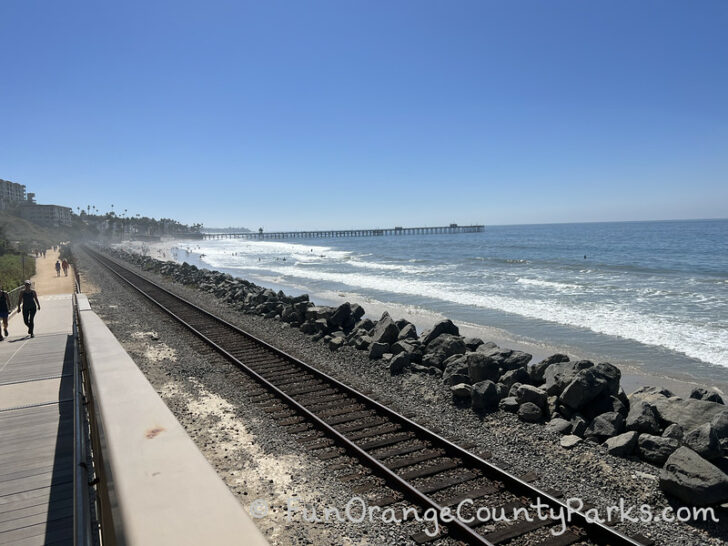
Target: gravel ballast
x=258 y=460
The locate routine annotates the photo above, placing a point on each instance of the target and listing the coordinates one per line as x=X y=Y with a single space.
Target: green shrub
x=11 y=270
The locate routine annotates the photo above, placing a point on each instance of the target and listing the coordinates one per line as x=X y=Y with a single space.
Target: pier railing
x=451 y=229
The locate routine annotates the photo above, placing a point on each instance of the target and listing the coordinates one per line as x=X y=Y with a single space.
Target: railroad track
x=332 y=420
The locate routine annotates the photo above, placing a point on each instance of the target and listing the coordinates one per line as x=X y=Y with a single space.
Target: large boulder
x=675 y=432
x=622 y=445
x=656 y=449
x=506 y=359
x=720 y=426
x=703 y=441
x=341 y=315
x=461 y=393
x=482 y=367
x=605 y=425
x=377 y=350
x=442 y=327
x=399 y=363
x=385 y=331
x=484 y=396
x=446 y=345
x=509 y=404
x=689 y=414
x=643 y=417
x=456 y=372
x=587 y=384
x=559 y=425
x=701 y=393
x=408 y=332
x=558 y=375
x=472 y=343
x=514 y=377
x=693 y=480
x=528 y=393
x=530 y=412
x=537 y=371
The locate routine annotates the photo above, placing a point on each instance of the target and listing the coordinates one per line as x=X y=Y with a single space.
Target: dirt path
x=45 y=281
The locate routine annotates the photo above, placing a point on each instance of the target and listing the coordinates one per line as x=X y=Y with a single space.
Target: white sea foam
x=707 y=343
x=560 y=286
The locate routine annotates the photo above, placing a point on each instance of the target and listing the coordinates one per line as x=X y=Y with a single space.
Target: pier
x=439 y=230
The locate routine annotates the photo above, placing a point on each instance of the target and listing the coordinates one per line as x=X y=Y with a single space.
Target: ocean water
x=650 y=294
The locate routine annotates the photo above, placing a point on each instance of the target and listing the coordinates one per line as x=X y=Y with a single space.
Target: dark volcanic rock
x=408 y=332
x=528 y=393
x=509 y=404
x=484 y=396
x=643 y=417
x=689 y=413
x=513 y=377
x=558 y=375
x=472 y=343
x=675 y=432
x=385 y=331
x=377 y=350
x=720 y=426
x=482 y=367
x=701 y=393
x=703 y=441
x=606 y=425
x=693 y=480
x=622 y=445
x=341 y=315
x=442 y=327
x=530 y=413
x=655 y=449
x=446 y=345
x=559 y=425
x=456 y=372
x=537 y=371
x=398 y=363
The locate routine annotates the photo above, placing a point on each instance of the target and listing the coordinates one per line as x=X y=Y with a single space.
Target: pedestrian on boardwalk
x=64 y=265
x=29 y=300
x=4 y=310
x=58 y=268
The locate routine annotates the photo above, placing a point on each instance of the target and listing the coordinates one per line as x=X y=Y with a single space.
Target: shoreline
x=633 y=376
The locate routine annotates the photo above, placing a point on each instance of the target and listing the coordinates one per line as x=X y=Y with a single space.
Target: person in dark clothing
x=29 y=300
x=58 y=268
x=4 y=311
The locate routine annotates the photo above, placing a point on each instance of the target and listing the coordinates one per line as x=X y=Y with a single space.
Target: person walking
x=4 y=311
x=29 y=300
x=64 y=265
x=58 y=268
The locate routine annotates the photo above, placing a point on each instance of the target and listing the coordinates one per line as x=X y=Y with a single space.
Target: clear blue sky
x=319 y=114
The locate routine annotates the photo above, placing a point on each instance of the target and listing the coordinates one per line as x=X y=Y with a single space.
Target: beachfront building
x=11 y=194
x=46 y=215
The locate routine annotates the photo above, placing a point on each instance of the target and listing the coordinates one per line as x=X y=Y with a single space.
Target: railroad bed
x=400 y=461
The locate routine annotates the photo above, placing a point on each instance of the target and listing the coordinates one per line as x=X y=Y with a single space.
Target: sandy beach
x=633 y=376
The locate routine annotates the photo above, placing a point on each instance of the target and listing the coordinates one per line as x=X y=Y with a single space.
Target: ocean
x=653 y=295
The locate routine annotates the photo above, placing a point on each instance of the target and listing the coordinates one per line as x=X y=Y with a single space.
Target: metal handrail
x=82 y=535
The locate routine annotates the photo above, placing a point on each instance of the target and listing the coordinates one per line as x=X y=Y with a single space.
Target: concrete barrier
x=161 y=489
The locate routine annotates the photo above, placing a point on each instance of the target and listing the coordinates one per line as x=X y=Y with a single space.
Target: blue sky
x=355 y=114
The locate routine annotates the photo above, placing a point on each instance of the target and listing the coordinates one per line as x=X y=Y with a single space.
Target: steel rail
x=595 y=530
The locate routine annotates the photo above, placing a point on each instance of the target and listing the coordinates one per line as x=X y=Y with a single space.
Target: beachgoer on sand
x=29 y=300
x=58 y=268
x=64 y=265
x=4 y=310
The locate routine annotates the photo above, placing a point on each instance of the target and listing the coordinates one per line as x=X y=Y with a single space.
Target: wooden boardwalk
x=36 y=427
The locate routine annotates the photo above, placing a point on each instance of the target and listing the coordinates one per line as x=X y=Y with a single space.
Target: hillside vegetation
x=12 y=272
